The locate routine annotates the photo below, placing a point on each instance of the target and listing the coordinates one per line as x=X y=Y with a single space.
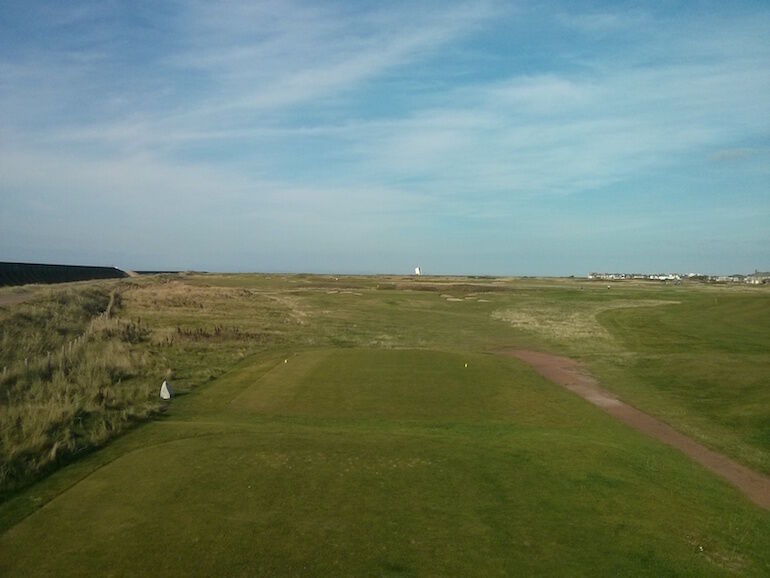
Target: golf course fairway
x=356 y=461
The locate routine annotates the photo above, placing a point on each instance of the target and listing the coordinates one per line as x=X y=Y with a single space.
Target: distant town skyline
x=499 y=138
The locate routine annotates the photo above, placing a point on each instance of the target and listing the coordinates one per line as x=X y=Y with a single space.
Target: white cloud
x=276 y=55
x=342 y=118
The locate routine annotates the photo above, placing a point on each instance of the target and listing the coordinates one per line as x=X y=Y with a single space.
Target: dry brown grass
x=73 y=383
x=569 y=324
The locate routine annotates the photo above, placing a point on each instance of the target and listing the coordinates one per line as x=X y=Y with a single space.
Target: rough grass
x=30 y=330
x=570 y=322
x=70 y=382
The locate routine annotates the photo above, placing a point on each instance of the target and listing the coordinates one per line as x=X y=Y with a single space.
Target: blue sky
x=514 y=138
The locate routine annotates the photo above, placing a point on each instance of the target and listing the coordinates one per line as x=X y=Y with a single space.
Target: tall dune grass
x=71 y=378
x=33 y=329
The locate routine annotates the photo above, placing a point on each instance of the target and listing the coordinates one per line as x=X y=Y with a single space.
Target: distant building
x=756 y=278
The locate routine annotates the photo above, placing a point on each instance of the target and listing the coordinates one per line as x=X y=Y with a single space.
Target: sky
x=499 y=138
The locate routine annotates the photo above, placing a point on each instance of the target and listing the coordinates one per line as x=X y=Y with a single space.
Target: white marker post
x=165 y=391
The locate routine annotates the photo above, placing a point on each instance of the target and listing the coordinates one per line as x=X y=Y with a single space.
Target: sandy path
x=570 y=374
x=14 y=298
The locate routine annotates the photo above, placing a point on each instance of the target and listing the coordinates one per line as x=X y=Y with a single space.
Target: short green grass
x=384 y=384
x=399 y=462
x=703 y=365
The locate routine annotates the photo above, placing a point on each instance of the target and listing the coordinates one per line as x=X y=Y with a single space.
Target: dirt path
x=570 y=374
x=14 y=298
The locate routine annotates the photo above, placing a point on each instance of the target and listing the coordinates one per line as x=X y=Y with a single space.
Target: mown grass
x=704 y=365
x=426 y=469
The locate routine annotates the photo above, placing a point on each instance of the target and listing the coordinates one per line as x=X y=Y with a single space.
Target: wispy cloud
x=278 y=55
x=736 y=154
x=309 y=117
x=604 y=21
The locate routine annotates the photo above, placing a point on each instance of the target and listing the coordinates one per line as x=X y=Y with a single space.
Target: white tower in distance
x=417 y=271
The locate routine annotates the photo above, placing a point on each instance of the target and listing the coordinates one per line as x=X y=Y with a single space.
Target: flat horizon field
x=369 y=426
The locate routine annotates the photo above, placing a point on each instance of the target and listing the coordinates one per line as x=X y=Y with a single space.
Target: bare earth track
x=14 y=298
x=571 y=375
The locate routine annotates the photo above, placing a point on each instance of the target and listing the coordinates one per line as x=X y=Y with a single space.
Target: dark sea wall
x=23 y=273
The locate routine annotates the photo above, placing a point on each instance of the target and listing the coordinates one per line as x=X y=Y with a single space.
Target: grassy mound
x=71 y=380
